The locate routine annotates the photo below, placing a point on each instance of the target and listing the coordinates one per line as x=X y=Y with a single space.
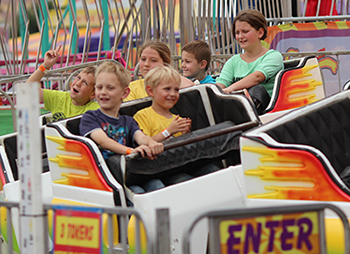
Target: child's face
x=149 y=59
x=82 y=89
x=166 y=94
x=247 y=36
x=109 y=92
x=190 y=66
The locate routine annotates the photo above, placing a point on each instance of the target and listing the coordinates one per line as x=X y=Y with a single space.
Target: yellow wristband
x=128 y=151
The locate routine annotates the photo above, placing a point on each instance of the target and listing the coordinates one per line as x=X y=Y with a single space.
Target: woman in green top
x=257 y=65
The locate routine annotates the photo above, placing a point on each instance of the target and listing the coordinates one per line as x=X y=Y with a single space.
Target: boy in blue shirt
x=112 y=132
x=196 y=57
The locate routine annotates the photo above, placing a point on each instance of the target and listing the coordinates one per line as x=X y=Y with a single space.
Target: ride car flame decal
x=298 y=90
x=90 y=176
x=293 y=166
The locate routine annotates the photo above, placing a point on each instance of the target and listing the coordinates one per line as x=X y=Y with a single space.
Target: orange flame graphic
x=294 y=166
x=90 y=176
x=296 y=92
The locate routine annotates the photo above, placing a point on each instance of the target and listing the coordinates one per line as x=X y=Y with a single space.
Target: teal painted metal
x=106 y=39
x=74 y=35
x=22 y=24
x=45 y=46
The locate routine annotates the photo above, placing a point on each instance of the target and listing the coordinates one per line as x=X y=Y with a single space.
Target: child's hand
x=150 y=151
x=51 y=57
x=227 y=90
x=156 y=147
x=180 y=124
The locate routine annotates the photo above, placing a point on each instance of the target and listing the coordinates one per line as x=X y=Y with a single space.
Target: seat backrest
x=10 y=145
x=296 y=86
x=327 y=129
x=73 y=126
x=130 y=108
x=226 y=108
x=190 y=104
x=203 y=104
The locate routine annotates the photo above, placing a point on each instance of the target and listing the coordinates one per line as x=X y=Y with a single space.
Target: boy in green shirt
x=66 y=104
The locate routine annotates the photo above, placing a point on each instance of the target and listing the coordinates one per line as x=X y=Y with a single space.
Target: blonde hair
x=123 y=75
x=161 y=74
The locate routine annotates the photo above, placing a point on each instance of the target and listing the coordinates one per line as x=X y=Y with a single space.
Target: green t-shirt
x=236 y=69
x=61 y=106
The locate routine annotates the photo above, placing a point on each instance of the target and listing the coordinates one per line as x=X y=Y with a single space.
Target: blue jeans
x=209 y=168
x=148 y=186
x=178 y=178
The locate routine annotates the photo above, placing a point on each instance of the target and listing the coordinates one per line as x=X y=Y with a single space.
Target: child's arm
x=252 y=79
x=101 y=138
x=148 y=147
x=185 y=82
x=50 y=59
x=178 y=124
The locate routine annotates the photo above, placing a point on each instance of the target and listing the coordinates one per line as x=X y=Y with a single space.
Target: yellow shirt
x=137 y=90
x=151 y=123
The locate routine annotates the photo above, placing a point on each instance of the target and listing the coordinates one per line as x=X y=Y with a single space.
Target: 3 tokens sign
x=287 y=233
x=77 y=231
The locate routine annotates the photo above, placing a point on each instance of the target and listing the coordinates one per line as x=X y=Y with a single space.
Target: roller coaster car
x=302 y=155
x=300 y=83
x=79 y=172
x=302 y=158
x=8 y=154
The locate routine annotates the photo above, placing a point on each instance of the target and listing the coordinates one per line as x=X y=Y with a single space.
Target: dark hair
x=162 y=49
x=200 y=50
x=90 y=70
x=254 y=18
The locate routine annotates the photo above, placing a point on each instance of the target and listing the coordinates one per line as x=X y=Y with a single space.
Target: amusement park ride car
x=292 y=154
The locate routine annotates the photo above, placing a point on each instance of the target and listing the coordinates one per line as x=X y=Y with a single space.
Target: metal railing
x=159 y=244
x=232 y=216
x=10 y=207
x=85 y=33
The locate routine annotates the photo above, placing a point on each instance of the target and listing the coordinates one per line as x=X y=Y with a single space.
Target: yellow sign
x=77 y=231
x=286 y=233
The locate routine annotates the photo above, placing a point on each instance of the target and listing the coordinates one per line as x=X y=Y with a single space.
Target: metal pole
x=106 y=38
x=163 y=231
x=30 y=168
x=72 y=17
x=45 y=32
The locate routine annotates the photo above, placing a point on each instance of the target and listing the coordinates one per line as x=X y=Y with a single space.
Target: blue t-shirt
x=207 y=80
x=121 y=129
